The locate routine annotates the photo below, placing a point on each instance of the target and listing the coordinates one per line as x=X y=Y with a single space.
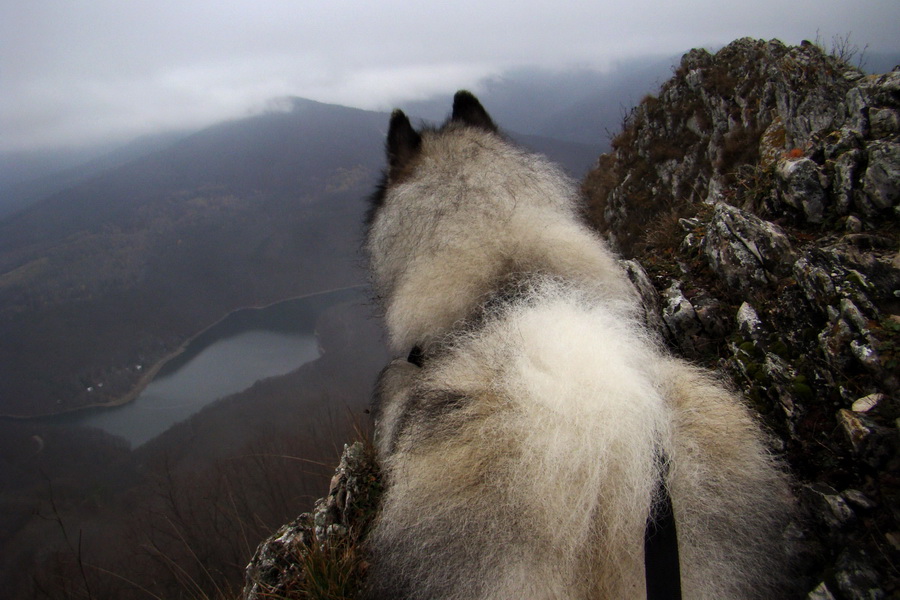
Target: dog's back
x=523 y=457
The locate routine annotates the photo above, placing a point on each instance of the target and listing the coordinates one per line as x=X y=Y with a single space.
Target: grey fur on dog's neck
x=487 y=217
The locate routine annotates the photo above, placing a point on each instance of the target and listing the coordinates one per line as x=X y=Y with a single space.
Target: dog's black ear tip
x=463 y=96
x=467 y=109
x=402 y=142
x=399 y=124
x=465 y=104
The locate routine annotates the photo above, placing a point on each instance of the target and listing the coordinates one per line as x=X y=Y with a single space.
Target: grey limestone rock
x=820 y=593
x=846 y=180
x=650 y=299
x=884 y=122
x=832 y=509
x=744 y=249
x=881 y=182
x=800 y=186
x=748 y=322
x=680 y=318
x=855 y=577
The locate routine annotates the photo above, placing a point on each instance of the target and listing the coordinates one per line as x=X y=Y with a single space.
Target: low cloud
x=78 y=73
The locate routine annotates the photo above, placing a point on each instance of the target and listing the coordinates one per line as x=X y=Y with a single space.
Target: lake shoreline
x=151 y=373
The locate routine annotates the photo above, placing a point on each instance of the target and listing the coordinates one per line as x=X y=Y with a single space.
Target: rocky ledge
x=770 y=176
x=318 y=554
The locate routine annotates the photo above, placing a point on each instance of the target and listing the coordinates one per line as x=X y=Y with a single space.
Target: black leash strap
x=661 y=564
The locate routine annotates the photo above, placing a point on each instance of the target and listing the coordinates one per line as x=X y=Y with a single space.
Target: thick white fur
x=521 y=460
x=476 y=209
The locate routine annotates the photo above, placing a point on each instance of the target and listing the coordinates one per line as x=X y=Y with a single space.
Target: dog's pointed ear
x=467 y=109
x=402 y=143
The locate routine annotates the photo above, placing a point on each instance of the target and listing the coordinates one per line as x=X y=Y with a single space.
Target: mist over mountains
x=574 y=105
x=26 y=177
x=579 y=105
x=121 y=269
x=140 y=249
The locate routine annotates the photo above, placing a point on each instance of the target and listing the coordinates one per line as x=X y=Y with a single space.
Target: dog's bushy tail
x=531 y=465
x=732 y=497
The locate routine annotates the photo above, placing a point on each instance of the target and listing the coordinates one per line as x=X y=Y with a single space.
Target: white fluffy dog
x=541 y=426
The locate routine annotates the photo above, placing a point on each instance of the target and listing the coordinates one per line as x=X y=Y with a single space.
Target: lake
x=246 y=346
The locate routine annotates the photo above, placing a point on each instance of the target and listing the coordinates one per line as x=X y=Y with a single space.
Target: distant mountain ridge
x=119 y=270
x=28 y=177
x=576 y=105
x=571 y=105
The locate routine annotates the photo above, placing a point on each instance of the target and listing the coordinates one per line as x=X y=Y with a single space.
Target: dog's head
x=404 y=143
x=459 y=208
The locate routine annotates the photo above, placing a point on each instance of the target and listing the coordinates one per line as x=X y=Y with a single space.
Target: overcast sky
x=75 y=71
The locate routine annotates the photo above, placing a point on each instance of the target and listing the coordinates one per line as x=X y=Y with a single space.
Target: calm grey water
x=226 y=367
x=247 y=346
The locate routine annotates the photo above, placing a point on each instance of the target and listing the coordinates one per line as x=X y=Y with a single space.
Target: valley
x=116 y=282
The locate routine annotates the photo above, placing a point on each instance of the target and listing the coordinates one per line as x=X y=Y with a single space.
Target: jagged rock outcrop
x=768 y=122
x=317 y=555
x=770 y=180
x=756 y=201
